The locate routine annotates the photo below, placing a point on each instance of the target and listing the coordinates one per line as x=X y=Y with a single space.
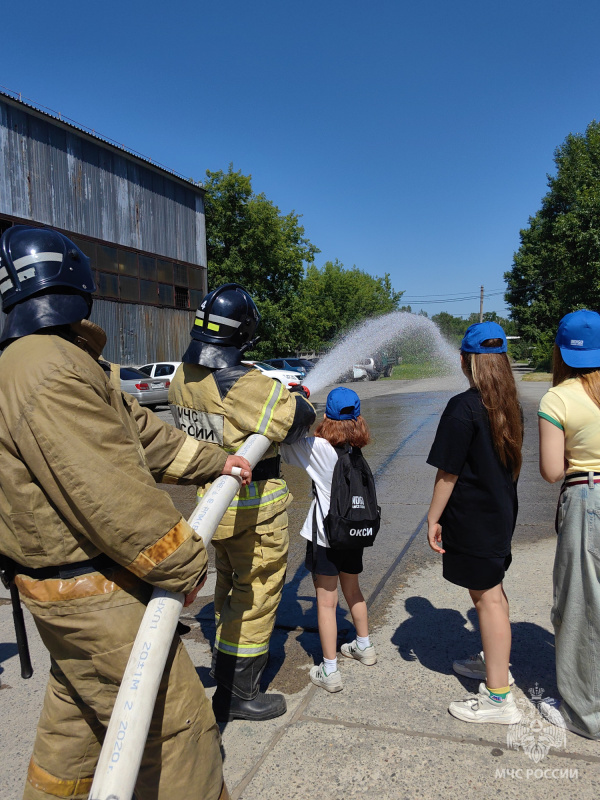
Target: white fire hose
x=127 y=731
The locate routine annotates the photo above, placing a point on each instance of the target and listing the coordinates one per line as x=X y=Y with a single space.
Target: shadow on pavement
x=437 y=636
x=7 y=650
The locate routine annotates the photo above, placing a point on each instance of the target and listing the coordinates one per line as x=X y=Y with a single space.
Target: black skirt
x=473 y=572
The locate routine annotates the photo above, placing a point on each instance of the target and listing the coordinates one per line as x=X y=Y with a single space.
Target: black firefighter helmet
x=224 y=328
x=45 y=281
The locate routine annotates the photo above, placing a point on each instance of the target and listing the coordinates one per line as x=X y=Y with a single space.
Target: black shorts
x=332 y=562
x=473 y=572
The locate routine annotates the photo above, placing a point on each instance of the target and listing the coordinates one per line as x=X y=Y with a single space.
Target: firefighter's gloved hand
x=297 y=387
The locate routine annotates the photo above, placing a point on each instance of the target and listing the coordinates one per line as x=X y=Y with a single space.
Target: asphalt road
x=403 y=417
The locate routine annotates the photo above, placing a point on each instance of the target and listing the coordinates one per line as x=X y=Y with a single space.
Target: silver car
x=147 y=391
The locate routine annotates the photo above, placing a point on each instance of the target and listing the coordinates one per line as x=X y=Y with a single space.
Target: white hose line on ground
x=127 y=731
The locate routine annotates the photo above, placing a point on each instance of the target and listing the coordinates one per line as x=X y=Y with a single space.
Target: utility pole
x=481 y=306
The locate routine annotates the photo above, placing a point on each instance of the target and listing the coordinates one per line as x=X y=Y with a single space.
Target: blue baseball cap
x=480 y=332
x=342 y=404
x=578 y=338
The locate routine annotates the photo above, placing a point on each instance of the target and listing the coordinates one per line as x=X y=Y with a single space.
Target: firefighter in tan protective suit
x=216 y=398
x=89 y=533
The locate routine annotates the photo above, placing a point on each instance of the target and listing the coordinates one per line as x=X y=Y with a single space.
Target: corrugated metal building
x=142 y=226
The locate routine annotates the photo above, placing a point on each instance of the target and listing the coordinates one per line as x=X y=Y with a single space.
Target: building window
x=127 y=263
x=195 y=298
x=181 y=275
x=147 y=268
x=106 y=258
x=182 y=299
x=149 y=292
x=108 y=285
x=129 y=288
x=134 y=277
x=165 y=271
x=166 y=295
x=195 y=278
x=88 y=248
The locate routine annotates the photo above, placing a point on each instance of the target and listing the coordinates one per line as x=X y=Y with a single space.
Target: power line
x=453 y=298
x=460 y=299
x=453 y=294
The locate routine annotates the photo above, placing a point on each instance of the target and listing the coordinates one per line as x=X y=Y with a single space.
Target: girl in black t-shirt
x=477 y=450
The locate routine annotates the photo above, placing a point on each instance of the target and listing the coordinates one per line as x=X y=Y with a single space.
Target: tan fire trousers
x=251 y=561
x=88 y=625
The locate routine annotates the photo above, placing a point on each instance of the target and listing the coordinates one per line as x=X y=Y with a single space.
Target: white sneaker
x=482 y=707
x=549 y=708
x=368 y=656
x=474 y=667
x=331 y=682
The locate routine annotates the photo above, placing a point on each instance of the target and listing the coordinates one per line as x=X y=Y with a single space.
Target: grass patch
x=537 y=376
x=411 y=372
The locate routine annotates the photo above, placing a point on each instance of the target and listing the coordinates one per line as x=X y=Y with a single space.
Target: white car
x=285 y=376
x=160 y=369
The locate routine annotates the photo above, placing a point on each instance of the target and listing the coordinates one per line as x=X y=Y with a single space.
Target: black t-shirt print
x=481 y=514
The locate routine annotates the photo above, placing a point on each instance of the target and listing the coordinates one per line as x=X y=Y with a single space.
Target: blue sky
x=414 y=138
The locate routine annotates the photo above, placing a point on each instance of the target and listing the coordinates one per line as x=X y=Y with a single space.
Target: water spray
x=371 y=336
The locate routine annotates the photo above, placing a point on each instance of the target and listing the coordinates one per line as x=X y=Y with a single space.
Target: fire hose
x=127 y=731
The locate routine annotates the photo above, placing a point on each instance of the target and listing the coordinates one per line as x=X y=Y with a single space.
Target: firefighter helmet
x=45 y=280
x=224 y=327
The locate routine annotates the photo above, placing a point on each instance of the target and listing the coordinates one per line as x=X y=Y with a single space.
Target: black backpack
x=354 y=516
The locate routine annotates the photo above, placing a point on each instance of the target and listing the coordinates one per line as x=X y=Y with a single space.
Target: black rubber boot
x=228 y=706
x=237 y=695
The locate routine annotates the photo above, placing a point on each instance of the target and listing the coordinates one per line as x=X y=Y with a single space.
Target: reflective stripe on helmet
x=34 y=258
x=6 y=281
x=215 y=318
x=25 y=274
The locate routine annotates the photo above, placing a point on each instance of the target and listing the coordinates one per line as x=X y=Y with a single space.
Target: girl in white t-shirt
x=343 y=427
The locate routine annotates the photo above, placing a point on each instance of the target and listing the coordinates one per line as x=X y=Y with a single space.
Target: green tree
x=249 y=241
x=452 y=328
x=557 y=267
x=333 y=299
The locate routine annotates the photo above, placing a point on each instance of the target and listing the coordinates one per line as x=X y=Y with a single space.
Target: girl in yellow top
x=569 y=423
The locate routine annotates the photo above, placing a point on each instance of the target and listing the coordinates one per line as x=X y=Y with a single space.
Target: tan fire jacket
x=225 y=406
x=78 y=464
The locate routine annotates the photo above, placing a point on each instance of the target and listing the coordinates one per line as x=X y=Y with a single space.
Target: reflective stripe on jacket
x=224 y=407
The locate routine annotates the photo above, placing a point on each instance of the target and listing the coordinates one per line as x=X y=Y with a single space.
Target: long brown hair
x=590 y=378
x=492 y=377
x=354 y=432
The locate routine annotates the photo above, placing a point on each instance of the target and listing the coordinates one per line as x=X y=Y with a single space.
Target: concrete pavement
x=388 y=733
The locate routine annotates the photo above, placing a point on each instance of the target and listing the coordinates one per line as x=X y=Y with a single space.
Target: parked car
x=302 y=365
x=367 y=371
x=160 y=369
x=285 y=376
x=147 y=391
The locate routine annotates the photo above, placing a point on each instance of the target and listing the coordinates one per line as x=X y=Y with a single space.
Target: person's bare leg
x=327 y=599
x=494 y=625
x=356 y=602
